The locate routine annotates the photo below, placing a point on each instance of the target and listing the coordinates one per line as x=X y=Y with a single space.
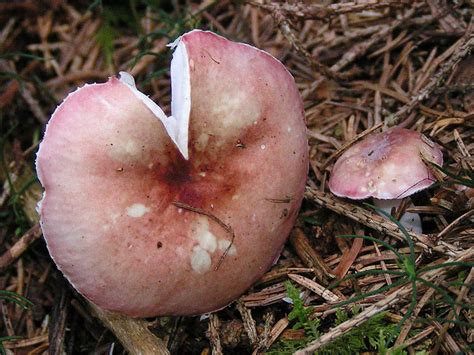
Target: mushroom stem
x=411 y=221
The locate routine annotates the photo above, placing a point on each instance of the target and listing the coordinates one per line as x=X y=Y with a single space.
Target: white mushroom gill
x=176 y=125
x=181 y=96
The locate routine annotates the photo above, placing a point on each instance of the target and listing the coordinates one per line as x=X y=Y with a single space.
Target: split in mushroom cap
x=386 y=165
x=138 y=228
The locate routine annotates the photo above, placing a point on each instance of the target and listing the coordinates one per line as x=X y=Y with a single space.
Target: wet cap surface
x=385 y=165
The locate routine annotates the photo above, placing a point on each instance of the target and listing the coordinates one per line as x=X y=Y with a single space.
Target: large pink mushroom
x=148 y=214
x=387 y=166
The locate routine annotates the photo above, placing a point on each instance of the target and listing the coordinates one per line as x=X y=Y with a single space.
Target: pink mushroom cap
x=385 y=165
x=148 y=214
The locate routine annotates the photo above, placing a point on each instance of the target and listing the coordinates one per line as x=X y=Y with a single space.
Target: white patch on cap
x=115 y=217
x=207 y=241
x=207 y=244
x=132 y=148
x=200 y=260
x=204 y=237
x=224 y=244
x=137 y=210
x=106 y=103
x=262 y=147
x=234 y=116
x=124 y=152
x=201 y=142
x=391 y=170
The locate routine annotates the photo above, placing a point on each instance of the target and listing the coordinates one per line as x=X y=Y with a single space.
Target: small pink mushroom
x=148 y=214
x=387 y=166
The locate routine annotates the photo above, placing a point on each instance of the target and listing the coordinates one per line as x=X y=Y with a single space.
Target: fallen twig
x=33 y=234
x=132 y=333
x=249 y=322
x=309 y=256
x=214 y=337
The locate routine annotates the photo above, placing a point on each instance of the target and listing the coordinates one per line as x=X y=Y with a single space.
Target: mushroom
x=387 y=166
x=148 y=214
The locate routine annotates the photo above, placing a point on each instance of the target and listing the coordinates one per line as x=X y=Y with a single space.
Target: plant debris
x=348 y=280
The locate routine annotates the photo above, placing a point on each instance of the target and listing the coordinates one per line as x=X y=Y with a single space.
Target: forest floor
x=360 y=66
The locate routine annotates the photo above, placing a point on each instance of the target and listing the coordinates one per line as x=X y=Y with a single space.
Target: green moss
x=374 y=335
